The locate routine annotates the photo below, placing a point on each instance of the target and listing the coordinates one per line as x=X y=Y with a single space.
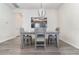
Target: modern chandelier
x=41 y=11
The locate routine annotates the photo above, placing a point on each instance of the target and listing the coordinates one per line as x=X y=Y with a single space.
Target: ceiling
x=35 y=5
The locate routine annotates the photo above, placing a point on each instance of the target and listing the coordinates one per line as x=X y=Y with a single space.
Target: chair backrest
x=51 y=36
x=40 y=30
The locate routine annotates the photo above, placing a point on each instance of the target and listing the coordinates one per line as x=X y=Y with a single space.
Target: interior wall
x=69 y=23
x=19 y=19
x=7 y=23
x=51 y=15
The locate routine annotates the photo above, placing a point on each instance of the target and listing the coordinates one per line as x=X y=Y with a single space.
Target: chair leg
x=48 y=41
x=31 y=40
x=56 y=42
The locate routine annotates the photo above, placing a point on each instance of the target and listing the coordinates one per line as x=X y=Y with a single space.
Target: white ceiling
x=36 y=5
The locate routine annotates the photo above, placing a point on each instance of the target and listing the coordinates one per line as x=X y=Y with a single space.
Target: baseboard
x=8 y=38
x=70 y=44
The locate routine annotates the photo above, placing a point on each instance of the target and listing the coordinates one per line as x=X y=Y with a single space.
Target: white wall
x=69 y=23
x=51 y=14
x=7 y=23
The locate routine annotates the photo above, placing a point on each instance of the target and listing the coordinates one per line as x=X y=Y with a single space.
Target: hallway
x=12 y=47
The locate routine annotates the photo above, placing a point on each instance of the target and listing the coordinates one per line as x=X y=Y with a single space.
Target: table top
x=45 y=33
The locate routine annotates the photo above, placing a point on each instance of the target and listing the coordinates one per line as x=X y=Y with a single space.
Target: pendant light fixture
x=41 y=11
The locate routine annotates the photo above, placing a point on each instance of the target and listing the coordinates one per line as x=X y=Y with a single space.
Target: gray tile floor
x=12 y=47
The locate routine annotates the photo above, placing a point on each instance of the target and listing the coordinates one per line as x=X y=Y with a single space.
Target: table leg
x=57 y=40
x=22 y=42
